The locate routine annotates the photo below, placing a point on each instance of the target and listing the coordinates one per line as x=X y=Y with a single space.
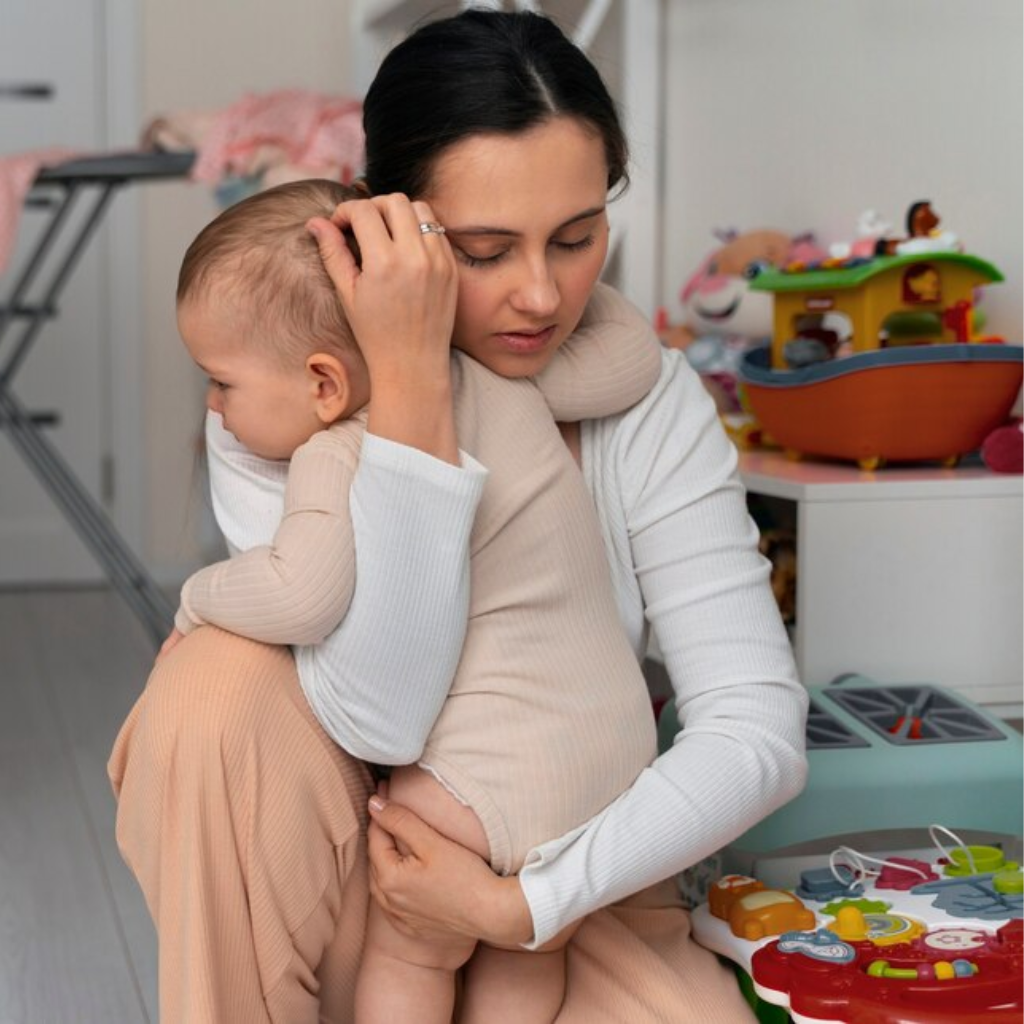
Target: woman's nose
x=536 y=292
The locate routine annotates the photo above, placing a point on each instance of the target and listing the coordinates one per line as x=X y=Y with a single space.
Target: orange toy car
x=769 y=912
x=727 y=890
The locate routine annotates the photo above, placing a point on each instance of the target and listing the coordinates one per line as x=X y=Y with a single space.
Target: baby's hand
x=171 y=641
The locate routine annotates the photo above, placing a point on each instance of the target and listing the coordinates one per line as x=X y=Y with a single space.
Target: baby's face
x=269 y=407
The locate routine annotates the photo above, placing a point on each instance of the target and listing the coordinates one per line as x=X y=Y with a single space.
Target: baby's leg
x=413 y=979
x=402 y=978
x=516 y=985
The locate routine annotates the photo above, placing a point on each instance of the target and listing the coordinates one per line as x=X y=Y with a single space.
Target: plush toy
x=1003 y=450
x=722 y=317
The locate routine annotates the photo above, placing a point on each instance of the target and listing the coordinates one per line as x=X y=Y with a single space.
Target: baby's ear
x=332 y=388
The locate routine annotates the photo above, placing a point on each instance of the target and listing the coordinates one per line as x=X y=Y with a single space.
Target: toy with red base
x=923 y=943
x=907 y=379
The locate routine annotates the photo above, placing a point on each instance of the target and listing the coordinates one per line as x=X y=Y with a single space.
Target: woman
x=245 y=824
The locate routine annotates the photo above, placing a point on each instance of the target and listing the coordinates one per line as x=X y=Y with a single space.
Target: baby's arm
x=297 y=588
x=607 y=364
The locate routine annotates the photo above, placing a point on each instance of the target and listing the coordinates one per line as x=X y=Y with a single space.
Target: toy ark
x=906 y=378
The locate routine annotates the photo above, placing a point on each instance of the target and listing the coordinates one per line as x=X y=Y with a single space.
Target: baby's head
x=260 y=316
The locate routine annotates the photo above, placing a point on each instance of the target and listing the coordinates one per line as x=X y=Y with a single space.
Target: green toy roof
x=773 y=280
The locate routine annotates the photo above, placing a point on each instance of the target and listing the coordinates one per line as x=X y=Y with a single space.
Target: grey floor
x=76 y=942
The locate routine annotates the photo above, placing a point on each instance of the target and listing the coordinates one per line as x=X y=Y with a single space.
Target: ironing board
x=55 y=190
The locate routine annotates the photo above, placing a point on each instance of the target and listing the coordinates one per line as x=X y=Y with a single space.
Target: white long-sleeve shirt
x=684 y=560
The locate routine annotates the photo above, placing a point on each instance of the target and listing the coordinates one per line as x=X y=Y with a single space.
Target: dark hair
x=479 y=72
x=258 y=255
x=913 y=211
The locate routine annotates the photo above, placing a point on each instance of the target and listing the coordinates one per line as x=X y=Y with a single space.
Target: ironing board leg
x=84 y=514
x=88 y=519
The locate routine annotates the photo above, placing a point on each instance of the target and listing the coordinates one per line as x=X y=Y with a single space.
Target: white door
x=53 y=93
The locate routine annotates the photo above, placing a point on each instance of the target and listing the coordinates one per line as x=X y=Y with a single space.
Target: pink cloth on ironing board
x=293 y=128
x=16 y=176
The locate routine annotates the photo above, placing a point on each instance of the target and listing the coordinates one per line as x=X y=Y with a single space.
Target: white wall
x=205 y=54
x=796 y=114
x=799 y=114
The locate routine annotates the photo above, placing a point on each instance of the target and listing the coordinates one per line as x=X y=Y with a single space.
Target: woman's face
x=525 y=215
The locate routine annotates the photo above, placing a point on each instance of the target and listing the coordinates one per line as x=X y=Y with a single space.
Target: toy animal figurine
x=923 y=234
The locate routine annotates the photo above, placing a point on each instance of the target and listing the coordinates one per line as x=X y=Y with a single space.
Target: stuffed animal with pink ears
x=722 y=316
x=717 y=299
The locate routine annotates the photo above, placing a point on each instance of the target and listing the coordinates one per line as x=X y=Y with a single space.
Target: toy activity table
x=93 y=181
x=934 y=941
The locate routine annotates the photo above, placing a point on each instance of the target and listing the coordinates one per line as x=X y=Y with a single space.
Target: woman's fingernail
x=377 y=803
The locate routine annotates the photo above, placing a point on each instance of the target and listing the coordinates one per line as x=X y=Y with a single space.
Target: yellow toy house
x=871 y=292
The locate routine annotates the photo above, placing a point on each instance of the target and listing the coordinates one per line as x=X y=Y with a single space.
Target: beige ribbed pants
x=245 y=827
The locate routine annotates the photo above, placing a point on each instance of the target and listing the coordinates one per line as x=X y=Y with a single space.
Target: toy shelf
x=905 y=574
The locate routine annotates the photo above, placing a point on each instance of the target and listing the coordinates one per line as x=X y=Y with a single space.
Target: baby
x=548 y=718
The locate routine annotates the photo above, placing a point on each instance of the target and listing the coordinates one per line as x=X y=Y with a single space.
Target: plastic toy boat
x=909 y=403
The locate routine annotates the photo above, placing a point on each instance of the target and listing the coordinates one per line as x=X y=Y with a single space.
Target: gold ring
x=431 y=227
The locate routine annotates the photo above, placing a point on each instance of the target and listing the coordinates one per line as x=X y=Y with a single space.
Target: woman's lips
x=526 y=342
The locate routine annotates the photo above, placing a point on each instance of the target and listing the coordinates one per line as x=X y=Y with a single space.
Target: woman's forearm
x=673 y=508
x=679 y=811
x=377 y=683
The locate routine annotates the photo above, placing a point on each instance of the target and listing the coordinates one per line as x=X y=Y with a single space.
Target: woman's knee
x=214 y=688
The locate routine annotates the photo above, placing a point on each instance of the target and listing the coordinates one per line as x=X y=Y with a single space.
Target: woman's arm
x=393 y=657
x=378 y=682
x=665 y=478
x=399 y=299
x=296 y=589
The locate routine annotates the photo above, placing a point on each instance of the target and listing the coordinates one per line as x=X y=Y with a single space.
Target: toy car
x=769 y=912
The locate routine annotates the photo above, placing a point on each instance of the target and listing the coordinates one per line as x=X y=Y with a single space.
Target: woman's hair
x=258 y=256
x=479 y=72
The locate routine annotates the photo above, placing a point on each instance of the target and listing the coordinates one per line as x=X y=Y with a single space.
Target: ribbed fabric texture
x=548 y=718
x=296 y=590
x=611 y=361
x=683 y=555
x=547 y=686
x=245 y=826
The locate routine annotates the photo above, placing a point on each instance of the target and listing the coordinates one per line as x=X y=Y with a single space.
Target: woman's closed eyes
x=471 y=259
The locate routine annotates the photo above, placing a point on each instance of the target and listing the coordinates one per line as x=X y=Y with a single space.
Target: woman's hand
x=436 y=886
x=400 y=302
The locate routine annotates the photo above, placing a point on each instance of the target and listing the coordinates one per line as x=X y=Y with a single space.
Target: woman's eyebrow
x=509 y=233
